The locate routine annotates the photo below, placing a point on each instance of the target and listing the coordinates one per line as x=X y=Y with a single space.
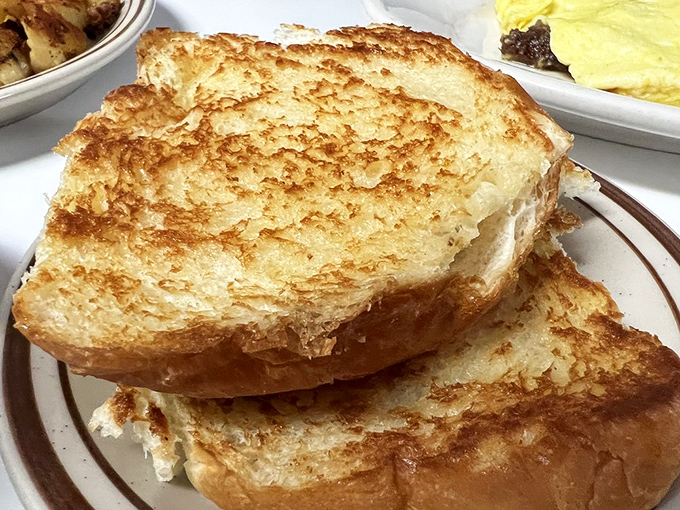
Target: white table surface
x=29 y=172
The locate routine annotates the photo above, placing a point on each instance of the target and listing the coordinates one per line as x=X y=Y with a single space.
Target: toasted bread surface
x=246 y=209
x=551 y=403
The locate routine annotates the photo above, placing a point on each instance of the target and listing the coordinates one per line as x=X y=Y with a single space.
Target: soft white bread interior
x=250 y=217
x=550 y=403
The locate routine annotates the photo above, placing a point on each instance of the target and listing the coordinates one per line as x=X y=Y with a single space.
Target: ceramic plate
x=472 y=26
x=37 y=92
x=54 y=461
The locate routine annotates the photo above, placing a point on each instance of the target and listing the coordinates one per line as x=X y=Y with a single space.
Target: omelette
x=631 y=47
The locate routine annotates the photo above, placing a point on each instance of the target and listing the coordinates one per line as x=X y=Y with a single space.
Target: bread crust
x=620 y=452
x=627 y=463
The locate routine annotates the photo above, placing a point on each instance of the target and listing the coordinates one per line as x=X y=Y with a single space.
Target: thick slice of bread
x=250 y=218
x=550 y=404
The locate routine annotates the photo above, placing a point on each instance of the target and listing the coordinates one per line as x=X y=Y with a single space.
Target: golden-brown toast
x=550 y=404
x=250 y=218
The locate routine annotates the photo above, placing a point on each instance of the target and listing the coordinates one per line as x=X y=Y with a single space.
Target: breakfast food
x=249 y=218
x=630 y=48
x=551 y=403
x=36 y=35
x=13 y=62
x=531 y=47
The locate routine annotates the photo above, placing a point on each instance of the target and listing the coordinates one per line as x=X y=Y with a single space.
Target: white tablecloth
x=29 y=172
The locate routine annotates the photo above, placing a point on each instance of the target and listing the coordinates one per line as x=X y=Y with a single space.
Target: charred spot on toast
x=123 y=405
x=158 y=423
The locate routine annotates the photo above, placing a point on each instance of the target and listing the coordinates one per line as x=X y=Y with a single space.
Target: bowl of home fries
x=48 y=48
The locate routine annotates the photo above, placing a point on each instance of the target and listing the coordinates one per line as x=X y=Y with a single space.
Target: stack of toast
x=325 y=271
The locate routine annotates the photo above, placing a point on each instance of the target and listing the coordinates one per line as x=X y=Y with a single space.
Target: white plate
x=472 y=26
x=35 y=93
x=54 y=462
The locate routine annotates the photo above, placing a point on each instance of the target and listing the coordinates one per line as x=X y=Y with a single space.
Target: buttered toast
x=551 y=403
x=250 y=217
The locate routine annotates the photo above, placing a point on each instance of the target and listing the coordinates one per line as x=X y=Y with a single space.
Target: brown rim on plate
x=26 y=427
x=662 y=232
x=87 y=439
x=650 y=268
x=51 y=479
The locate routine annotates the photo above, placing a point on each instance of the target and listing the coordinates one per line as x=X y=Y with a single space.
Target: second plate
x=472 y=26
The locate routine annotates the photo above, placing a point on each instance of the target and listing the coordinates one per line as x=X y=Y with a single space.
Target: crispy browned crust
x=367 y=490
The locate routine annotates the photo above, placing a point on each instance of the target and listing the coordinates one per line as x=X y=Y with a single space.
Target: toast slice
x=550 y=404
x=249 y=217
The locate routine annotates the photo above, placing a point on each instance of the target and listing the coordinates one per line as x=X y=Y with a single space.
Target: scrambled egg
x=631 y=47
